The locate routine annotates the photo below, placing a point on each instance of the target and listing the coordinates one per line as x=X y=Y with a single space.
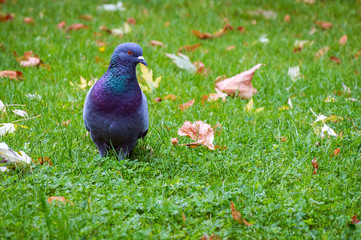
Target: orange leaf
x=156 y=43
x=200 y=132
x=76 y=26
x=170 y=97
x=241 y=29
x=189 y=48
x=7 y=17
x=343 y=40
x=183 y=217
x=335 y=59
x=28 y=20
x=240 y=84
x=287 y=18
x=86 y=17
x=187 y=105
x=336 y=152
x=201 y=69
x=42 y=161
x=158 y=99
x=200 y=35
x=131 y=21
x=229 y=48
x=61 y=25
x=17 y=75
x=237 y=216
x=174 y=141
x=324 y=25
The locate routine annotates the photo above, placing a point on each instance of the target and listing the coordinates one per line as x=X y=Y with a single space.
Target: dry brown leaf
x=215 y=96
x=240 y=84
x=241 y=29
x=42 y=161
x=131 y=21
x=335 y=59
x=200 y=132
x=201 y=35
x=59 y=199
x=314 y=165
x=343 y=40
x=28 y=20
x=213 y=237
x=186 y=105
x=61 y=25
x=17 y=75
x=219 y=33
x=86 y=17
x=287 y=18
x=174 y=141
x=230 y=48
x=336 y=152
x=189 y=48
x=30 y=62
x=237 y=216
x=357 y=54
x=100 y=43
x=7 y=17
x=104 y=28
x=324 y=25
x=170 y=97
x=156 y=43
x=201 y=68
x=76 y=26
x=158 y=99
x=322 y=51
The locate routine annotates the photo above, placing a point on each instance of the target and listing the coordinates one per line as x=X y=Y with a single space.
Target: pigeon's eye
x=129 y=52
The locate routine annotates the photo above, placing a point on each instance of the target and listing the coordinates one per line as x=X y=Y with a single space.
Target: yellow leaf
x=249 y=106
x=260 y=109
x=283 y=108
x=147 y=77
x=102 y=49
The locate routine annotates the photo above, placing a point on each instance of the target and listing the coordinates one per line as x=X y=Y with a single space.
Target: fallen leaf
x=329 y=99
x=33 y=96
x=324 y=25
x=122 y=30
x=237 y=216
x=201 y=68
x=201 y=35
x=216 y=96
x=102 y=49
x=76 y=26
x=219 y=33
x=2 y=108
x=170 y=97
x=282 y=139
x=9 y=155
x=21 y=113
x=146 y=76
x=241 y=29
x=213 y=237
x=283 y=108
x=294 y=73
x=309 y=1
x=314 y=165
x=61 y=25
x=183 y=217
x=158 y=99
x=86 y=17
x=322 y=52
x=312 y=31
x=84 y=83
x=189 y=48
x=32 y=61
x=4 y=169
x=343 y=40
x=267 y=14
x=6 y=128
x=327 y=130
x=28 y=20
x=287 y=18
x=174 y=141
x=7 y=17
x=357 y=54
x=65 y=123
x=17 y=75
x=131 y=21
x=229 y=48
x=182 y=62
x=166 y=24
x=186 y=105
x=112 y=7
x=249 y=106
x=355 y=220
x=240 y=84
x=336 y=152
x=335 y=59
x=300 y=44
x=200 y=132
x=156 y=43
x=104 y=28
x=42 y=161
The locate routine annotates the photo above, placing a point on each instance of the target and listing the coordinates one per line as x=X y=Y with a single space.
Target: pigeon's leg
x=102 y=148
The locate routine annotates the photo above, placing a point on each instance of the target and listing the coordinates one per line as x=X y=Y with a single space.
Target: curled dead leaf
x=343 y=40
x=201 y=68
x=61 y=25
x=131 y=21
x=240 y=84
x=174 y=141
x=189 y=48
x=186 y=105
x=324 y=25
x=200 y=132
x=237 y=215
x=156 y=43
x=201 y=35
x=335 y=59
x=16 y=75
x=28 y=20
x=76 y=26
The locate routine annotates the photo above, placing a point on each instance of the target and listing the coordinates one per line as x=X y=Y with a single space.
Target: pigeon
x=115 y=110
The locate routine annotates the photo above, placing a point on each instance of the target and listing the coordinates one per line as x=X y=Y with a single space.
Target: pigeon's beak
x=142 y=60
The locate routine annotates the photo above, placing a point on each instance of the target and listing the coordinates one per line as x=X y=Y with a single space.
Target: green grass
x=270 y=182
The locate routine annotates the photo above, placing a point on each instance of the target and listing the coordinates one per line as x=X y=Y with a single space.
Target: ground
x=176 y=192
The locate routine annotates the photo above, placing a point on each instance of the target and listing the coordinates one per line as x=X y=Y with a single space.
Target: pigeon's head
x=129 y=53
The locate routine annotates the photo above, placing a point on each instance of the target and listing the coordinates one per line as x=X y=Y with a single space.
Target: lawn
x=264 y=165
